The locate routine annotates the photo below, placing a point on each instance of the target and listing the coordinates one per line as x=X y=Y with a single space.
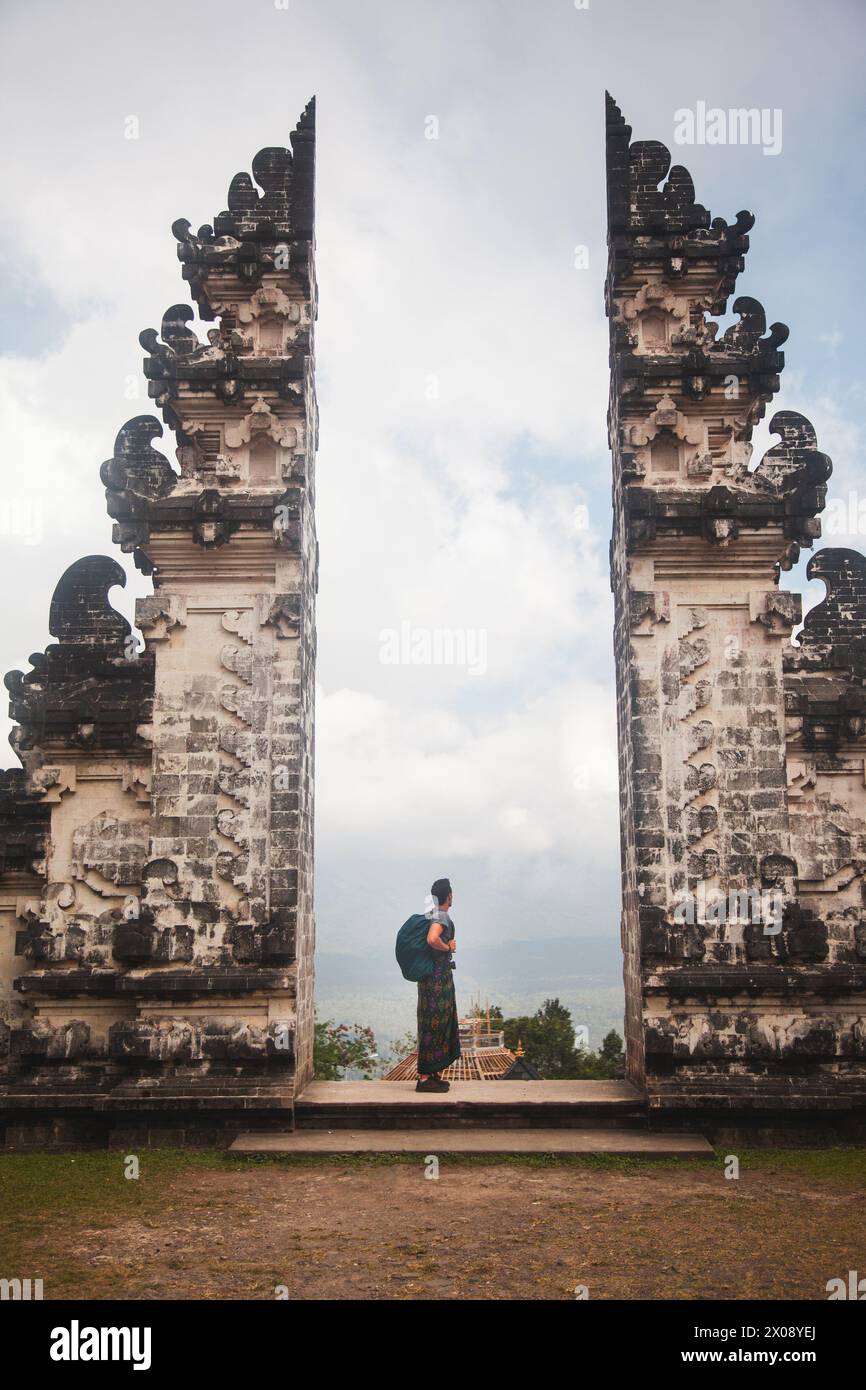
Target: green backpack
x=414 y=957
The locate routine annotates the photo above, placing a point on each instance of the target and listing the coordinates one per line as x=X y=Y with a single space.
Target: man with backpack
x=425 y=946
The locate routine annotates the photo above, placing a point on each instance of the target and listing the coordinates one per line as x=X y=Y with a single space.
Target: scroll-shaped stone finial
x=276 y=170
x=93 y=687
x=80 y=612
x=746 y=335
x=266 y=228
x=82 y=619
x=659 y=191
x=653 y=215
x=177 y=339
x=272 y=170
x=840 y=617
x=137 y=473
x=796 y=462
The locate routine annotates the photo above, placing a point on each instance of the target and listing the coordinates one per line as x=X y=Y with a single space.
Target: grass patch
x=842 y=1163
x=38 y=1184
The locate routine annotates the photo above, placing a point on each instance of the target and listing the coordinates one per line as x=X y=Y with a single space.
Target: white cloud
x=538 y=779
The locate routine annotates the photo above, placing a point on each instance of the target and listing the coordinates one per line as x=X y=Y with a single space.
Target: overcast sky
x=462 y=365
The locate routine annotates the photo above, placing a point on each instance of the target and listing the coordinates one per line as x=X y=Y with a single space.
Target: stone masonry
x=741 y=755
x=156 y=895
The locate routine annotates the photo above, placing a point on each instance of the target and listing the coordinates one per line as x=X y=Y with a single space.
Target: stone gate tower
x=742 y=756
x=156 y=896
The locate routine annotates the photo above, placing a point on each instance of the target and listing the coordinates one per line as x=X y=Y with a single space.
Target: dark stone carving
x=133 y=941
x=259 y=229
x=269 y=943
x=648 y=223
x=24 y=823
x=834 y=631
x=665 y=940
x=825 y=685
x=93 y=687
x=136 y=474
x=179 y=1041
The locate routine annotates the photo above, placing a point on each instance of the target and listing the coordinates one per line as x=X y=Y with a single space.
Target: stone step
x=559 y=1143
x=498 y=1104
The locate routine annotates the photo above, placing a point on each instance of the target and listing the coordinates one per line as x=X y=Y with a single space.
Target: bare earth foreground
x=198 y=1226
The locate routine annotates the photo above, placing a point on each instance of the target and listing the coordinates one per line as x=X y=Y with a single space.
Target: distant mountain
x=585 y=973
x=543 y=963
x=546 y=963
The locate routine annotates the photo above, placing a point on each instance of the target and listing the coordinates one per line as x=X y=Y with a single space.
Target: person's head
x=441 y=891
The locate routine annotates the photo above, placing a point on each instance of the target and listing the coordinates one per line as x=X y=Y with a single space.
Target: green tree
x=589 y=1066
x=548 y=1040
x=612 y=1050
x=342 y=1047
x=547 y=1037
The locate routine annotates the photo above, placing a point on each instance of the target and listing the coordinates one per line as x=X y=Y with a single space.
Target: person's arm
x=434 y=937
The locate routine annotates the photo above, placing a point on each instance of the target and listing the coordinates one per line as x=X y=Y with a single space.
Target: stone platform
x=559 y=1143
x=491 y=1104
x=557 y=1118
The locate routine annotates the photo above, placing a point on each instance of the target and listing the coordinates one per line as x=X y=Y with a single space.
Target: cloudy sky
x=462 y=365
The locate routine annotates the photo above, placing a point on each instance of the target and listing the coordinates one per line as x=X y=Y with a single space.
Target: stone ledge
x=759 y=979
x=559 y=1143
x=157 y=983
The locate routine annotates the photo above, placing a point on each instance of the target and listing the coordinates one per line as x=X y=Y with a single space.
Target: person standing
x=438 y=1028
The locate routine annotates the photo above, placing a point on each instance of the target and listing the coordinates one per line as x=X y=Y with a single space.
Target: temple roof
x=481 y=1064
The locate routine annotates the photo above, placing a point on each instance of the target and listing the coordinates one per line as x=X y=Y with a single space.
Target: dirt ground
x=482 y=1231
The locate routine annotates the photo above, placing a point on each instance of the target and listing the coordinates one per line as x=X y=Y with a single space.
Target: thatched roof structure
x=476 y=1064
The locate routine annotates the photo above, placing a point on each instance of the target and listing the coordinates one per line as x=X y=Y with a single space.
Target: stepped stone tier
x=741 y=755
x=157 y=848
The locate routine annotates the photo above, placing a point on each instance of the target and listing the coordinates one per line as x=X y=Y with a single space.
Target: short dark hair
x=441 y=890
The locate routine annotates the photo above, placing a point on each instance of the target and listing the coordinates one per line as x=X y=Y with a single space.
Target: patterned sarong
x=438 y=1030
